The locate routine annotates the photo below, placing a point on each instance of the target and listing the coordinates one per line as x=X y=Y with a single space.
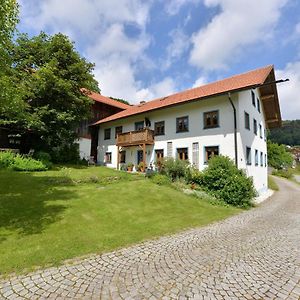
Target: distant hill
x=288 y=134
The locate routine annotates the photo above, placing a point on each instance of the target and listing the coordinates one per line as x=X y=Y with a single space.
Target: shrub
x=196 y=176
x=286 y=173
x=27 y=164
x=6 y=159
x=17 y=162
x=278 y=157
x=225 y=181
x=66 y=154
x=44 y=157
x=174 y=168
x=160 y=179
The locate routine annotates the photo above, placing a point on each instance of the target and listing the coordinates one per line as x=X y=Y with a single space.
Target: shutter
x=169 y=149
x=195 y=158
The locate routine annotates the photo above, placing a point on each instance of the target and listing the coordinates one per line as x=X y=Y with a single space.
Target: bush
x=225 y=181
x=278 y=157
x=44 y=157
x=66 y=154
x=160 y=179
x=175 y=168
x=286 y=173
x=27 y=164
x=6 y=159
x=17 y=162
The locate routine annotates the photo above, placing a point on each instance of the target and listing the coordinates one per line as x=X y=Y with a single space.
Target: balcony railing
x=133 y=138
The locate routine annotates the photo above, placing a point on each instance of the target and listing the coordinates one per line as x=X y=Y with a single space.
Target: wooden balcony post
x=118 y=158
x=144 y=157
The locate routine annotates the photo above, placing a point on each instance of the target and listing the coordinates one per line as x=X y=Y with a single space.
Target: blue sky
x=147 y=49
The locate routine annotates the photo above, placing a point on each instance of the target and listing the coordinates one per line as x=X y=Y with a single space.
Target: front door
x=139 y=156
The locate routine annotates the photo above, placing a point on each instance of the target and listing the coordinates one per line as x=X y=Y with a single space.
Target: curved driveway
x=254 y=255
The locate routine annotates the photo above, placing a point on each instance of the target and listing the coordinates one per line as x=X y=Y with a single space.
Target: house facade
x=229 y=117
x=88 y=136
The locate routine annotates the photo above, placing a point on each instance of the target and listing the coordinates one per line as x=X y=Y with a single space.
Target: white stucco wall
x=223 y=136
x=84 y=147
x=255 y=142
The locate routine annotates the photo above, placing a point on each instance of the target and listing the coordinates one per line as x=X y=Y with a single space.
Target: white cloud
x=289 y=92
x=200 y=81
x=172 y=7
x=160 y=89
x=82 y=16
x=100 y=27
x=180 y=42
x=239 y=24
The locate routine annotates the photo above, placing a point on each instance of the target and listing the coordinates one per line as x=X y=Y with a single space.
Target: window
x=159 y=128
x=118 y=130
x=261 y=159
x=211 y=119
x=258 y=105
x=248 y=156
x=107 y=134
x=169 y=149
x=139 y=125
x=253 y=98
x=265 y=132
x=211 y=152
x=247 y=121
x=265 y=160
x=260 y=131
x=182 y=124
x=123 y=157
x=255 y=126
x=159 y=154
x=108 y=157
x=182 y=153
x=256 y=157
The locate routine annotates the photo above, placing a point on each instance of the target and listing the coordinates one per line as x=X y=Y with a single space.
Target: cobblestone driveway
x=255 y=255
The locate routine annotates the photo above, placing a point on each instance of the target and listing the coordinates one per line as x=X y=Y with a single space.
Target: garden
x=47 y=217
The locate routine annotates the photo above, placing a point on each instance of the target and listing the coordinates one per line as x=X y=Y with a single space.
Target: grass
x=272 y=184
x=48 y=217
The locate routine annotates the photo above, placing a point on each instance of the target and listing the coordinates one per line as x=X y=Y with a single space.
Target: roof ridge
x=237 y=82
x=206 y=84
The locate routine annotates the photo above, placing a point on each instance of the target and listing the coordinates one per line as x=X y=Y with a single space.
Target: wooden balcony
x=135 y=138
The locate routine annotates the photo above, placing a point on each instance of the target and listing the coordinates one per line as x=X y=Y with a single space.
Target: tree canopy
x=288 y=134
x=11 y=106
x=50 y=73
x=278 y=156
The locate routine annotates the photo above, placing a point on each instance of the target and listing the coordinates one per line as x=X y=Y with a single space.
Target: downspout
x=235 y=130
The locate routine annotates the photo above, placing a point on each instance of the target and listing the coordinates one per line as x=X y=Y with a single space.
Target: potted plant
x=141 y=167
x=130 y=167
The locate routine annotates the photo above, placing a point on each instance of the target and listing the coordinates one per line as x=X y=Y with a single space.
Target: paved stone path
x=255 y=255
x=297 y=177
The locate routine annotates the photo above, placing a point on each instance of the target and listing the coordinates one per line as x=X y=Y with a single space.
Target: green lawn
x=48 y=217
x=272 y=184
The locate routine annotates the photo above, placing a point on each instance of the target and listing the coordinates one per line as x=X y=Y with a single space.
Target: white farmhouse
x=227 y=117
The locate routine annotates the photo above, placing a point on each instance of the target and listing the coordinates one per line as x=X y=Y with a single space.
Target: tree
x=8 y=22
x=288 y=134
x=50 y=74
x=11 y=106
x=278 y=157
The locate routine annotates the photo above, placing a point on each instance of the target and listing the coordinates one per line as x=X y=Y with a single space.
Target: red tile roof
x=106 y=100
x=237 y=82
